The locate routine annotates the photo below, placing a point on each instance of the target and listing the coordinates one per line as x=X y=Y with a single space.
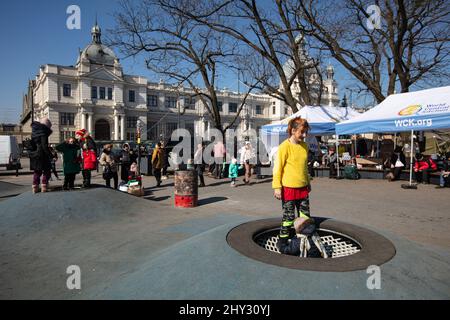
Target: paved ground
x=131 y=247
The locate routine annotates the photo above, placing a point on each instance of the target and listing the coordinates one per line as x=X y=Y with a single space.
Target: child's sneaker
x=233 y=184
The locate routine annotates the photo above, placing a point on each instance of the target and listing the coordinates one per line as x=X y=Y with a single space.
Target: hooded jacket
x=41 y=159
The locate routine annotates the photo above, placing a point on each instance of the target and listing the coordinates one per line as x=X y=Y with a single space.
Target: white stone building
x=329 y=95
x=96 y=95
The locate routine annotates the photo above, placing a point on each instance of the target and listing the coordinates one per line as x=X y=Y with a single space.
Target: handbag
x=107 y=173
x=398 y=163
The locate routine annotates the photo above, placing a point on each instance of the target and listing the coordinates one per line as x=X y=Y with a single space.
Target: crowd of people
x=79 y=154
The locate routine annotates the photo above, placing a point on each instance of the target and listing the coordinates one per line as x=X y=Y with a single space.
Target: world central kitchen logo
x=410 y=110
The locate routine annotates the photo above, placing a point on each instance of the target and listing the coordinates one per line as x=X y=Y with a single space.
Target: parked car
x=9 y=153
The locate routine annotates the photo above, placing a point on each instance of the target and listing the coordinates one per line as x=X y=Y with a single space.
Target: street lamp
x=139 y=126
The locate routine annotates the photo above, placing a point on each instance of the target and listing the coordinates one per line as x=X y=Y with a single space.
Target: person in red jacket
x=89 y=153
x=423 y=167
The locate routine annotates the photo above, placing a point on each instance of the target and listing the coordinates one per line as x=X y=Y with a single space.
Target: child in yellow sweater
x=291 y=181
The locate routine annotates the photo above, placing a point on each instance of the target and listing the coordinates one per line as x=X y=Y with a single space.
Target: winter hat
x=80 y=132
x=46 y=122
x=234 y=161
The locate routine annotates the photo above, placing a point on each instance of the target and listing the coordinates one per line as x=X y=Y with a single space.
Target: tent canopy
x=420 y=110
x=322 y=119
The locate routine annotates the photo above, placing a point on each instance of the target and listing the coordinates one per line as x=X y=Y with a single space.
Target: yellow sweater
x=291 y=166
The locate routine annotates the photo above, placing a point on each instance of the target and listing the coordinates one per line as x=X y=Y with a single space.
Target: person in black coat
x=444 y=177
x=398 y=163
x=126 y=161
x=41 y=157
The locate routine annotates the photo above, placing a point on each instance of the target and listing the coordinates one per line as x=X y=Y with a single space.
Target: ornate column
x=83 y=120
x=89 y=123
x=116 y=127
x=122 y=127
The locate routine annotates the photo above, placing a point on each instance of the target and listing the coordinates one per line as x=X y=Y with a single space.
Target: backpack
x=90 y=160
x=30 y=146
x=351 y=172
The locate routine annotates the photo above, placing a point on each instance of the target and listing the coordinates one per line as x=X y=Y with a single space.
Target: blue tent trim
x=398 y=124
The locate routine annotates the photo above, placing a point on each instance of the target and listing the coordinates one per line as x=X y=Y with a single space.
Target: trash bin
x=186 y=188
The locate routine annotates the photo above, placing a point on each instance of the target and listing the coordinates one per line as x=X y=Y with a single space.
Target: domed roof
x=96 y=52
x=99 y=53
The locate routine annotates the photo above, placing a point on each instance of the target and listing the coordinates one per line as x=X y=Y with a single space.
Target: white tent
x=322 y=120
x=421 y=110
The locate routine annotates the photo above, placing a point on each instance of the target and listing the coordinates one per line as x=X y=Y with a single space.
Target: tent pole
x=411 y=155
x=337 y=154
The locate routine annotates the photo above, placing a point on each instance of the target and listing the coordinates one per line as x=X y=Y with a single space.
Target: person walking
x=40 y=157
x=246 y=157
x=89 y=155
x=54 y=159
x=157 y=163
x=71 y=162
x=219 y=154
x=110 y=167
x=291 y=181
x=199 y=164
x=165 y=164
x=233 y=172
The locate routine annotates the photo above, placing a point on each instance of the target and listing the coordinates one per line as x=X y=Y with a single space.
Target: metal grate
x=336 y=245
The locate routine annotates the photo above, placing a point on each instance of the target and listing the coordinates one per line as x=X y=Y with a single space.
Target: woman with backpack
x=40 y=156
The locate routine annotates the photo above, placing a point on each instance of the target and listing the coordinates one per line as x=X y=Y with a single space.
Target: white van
x=9 y=153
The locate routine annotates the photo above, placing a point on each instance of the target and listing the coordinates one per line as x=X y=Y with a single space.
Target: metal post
x=178 y=109
x=337 y=154
x=31 y=92
x=411 y=160
x=138 y=125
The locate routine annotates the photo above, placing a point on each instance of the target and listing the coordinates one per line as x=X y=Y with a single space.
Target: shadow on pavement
x=150 y=197
x=206 y=201
x=218 y=183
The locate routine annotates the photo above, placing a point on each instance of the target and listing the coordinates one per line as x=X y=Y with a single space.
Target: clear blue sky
x=34 y=33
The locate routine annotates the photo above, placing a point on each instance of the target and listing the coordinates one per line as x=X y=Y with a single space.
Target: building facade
x=315 y=79
x=8 y=129
x=96 y=95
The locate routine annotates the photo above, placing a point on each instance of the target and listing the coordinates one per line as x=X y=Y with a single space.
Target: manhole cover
x=349 y=247
x=337 y=245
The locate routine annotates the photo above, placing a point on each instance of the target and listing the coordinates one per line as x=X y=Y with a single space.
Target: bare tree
x=409 y=45
x=183 y=50
x=275 y=46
